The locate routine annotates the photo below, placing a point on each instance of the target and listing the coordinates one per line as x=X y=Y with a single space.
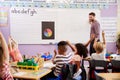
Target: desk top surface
x=32 y=74
x=109 y=76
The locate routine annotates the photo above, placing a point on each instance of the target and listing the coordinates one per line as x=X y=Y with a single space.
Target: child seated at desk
x=77 y=58
x=118 y=50
x=100 y=48
x=4 y=60
x=14 y=51
x=61 y=58
x=81 y=52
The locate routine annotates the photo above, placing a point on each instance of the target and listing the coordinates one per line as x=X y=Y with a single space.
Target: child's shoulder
x=76 y=58
x=58 y=55
x=70 y=53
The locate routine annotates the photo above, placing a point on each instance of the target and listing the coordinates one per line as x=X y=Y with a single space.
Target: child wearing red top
x=14 y=51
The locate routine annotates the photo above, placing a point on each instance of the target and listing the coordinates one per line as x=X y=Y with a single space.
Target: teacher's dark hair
x=92 y=13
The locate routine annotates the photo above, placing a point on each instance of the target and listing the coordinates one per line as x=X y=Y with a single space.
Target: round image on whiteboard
x=48 y=32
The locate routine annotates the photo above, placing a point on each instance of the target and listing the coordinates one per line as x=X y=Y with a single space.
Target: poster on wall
x=48 y=31
x=3 y=17
x=109 y=26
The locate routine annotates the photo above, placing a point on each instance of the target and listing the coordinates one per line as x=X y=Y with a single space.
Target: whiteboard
x=70 y=24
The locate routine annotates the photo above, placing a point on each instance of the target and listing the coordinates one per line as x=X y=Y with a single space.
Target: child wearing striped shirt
x=61 y=57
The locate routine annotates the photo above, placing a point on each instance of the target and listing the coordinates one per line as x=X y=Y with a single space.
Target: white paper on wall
x=109 y=25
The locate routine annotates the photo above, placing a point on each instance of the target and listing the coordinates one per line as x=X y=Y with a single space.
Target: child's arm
x=15 y=43
x=72 y=47
x=88 y=43
x=103 y=36
x=5 y=47
x=55 y=53
x=10 y=45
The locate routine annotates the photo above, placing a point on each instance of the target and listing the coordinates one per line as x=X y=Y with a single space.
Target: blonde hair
x=99 y=47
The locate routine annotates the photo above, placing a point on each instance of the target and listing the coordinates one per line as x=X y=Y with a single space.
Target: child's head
x=99 y=47
x=62 y=47
x=1 y=55
x=81 y=50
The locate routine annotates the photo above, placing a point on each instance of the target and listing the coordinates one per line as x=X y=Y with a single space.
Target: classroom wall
x=33 y=49
x=118 y=27
x=110 y=12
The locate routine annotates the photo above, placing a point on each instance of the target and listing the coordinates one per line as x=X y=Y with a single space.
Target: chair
x=98 y=66
x=83 y=74
x=115 y=65
x=67 y=73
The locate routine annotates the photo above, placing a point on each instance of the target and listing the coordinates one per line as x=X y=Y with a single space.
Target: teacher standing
x=95 y=30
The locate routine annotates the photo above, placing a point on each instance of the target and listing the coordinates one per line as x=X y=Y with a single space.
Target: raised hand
x=55 y=52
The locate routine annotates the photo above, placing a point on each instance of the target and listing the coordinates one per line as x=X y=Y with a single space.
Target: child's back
x=63 y=57
x=97 y=56
x=100 y=52
x=100 y=48
x=60 y=60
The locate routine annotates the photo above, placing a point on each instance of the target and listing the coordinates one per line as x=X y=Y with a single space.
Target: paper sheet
x=48 y=65
x=20 y=73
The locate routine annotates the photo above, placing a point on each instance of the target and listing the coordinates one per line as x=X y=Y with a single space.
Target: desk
x=109 y=76
x=32 y=74
x=47 y=64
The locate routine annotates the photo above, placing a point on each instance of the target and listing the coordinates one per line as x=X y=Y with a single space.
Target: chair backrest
x=97 y=63
x=0 y=78
x=67 y=74
x=115 y=65
x=83 y=74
